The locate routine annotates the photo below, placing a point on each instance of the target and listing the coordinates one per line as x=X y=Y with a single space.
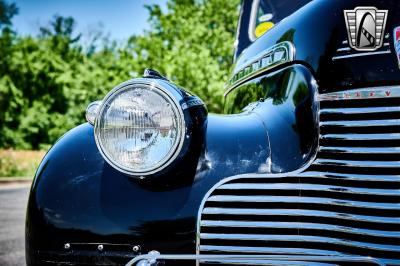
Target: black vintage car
x=303 y=167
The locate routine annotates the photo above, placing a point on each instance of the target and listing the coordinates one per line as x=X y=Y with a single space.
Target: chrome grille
x=347 y=201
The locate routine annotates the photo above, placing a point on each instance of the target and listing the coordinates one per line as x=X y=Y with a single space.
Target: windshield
x=259 y=16
x=267 y=13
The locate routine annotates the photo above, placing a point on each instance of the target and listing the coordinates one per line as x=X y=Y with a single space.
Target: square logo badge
x=365 y=28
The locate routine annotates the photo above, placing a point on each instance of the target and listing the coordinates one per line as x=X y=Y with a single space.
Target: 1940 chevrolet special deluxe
x=303 y=167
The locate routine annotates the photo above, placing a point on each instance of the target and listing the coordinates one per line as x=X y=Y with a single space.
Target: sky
x=119 y=18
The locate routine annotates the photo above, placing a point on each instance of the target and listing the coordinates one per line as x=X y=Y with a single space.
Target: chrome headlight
x=140 y=127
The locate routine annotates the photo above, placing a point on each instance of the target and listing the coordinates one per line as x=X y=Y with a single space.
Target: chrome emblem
x=396 y=36
x=359 y=94
x=278 y=54
x=365 y=28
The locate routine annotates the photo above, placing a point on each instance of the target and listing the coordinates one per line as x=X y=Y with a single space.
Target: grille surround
x=332 y=186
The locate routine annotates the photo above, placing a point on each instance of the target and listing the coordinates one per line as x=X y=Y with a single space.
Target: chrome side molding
x=268 y=59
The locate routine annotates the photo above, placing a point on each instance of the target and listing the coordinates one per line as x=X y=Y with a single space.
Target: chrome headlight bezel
x=173 y=97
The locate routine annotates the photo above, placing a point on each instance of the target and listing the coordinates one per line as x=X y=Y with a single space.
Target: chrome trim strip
x=361 y=110
x=271 y=250
x=152 y=257
x=361 y=123
x=309 y=200
x=346 y=41
x=348 y=136
x=268 y=59
x=299 y=186
x=359 y=54
x=343 y=49
x=302 y=212
x=300 y=238
x=362 y=93
x=302 y=225
x=355 y=177
x=349 y=163
x=365 y=150
x=346 y=49
x=251 y=262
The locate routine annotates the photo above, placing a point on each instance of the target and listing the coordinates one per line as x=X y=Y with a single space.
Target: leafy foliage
x=47 y=81
x=7 y=11
x=192 y=44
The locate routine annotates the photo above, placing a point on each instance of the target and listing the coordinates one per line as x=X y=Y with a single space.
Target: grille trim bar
x=360 y=54
x=361 y=123
x=349 y=163
x=361 y=177
x=310 y=187
x=385 y=136
x=352 y=150
x=270 y=250
x=266 y=262
x=301 y=212
x=361 y=110
x=302 y=225
x=303 y=200
x=298 y=238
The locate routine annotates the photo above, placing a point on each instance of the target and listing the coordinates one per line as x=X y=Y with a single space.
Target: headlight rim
x=173 y=97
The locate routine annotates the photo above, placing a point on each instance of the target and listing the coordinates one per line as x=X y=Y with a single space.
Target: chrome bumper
x=154 y=258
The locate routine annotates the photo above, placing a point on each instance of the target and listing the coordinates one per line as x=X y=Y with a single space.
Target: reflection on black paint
x=288 y=111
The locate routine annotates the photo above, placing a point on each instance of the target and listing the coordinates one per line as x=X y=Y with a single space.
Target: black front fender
x=78 y=199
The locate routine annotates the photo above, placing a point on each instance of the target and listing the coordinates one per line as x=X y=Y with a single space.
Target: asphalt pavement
x=13 y=200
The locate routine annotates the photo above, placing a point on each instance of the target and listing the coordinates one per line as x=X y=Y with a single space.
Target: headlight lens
x=139 y=128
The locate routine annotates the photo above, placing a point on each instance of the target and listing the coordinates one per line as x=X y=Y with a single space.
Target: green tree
x=10 y=96
x=34 y=87
x=47 y=81
x=192 y=44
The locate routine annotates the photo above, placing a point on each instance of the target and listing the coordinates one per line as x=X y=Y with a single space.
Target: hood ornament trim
x=268 y=59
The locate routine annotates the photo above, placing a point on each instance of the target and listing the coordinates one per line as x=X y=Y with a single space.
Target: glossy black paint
x=284 y=101
x=317 y=30
x=78 y=198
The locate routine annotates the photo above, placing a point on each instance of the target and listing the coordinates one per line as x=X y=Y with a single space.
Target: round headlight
x=139 y=128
